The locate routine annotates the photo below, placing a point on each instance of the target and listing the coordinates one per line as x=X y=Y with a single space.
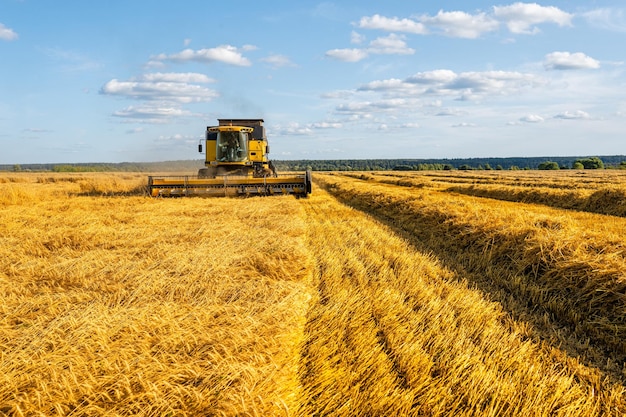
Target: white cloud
x=292 y=129
x=425 y=93
x=521 y=18
x=7 y=34
x=432 y=77
x=163 y=95
x=387 y=45
x=347 y=55
x=176 y=77
x=224 y=53
x=575 y=115
x=151 y=113
x=465 y=85
x=390 y=45
x=297 y=129
x=385 y=85
x=161 y=91
x=366 y=108
x=464 y=124
x=392 y=24
x=531 y=118
x=461 y=25
x=568 y=61
x=278 y=61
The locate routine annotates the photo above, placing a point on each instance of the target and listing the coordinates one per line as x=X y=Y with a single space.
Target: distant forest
x=555 y=162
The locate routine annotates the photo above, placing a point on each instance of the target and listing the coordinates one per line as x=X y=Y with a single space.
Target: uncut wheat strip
x=357 y=277
x=609 y=200
x=557 y=180
x=484 y=237
x=167 y=266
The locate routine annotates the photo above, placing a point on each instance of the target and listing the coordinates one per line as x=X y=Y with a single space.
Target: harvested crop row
x=127 y=306
x=561 y=179
x=611 y=200
x=392 y=332
x=561 y=267
x=605 y=197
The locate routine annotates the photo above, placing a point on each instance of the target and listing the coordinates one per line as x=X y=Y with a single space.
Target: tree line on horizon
x=513 y=163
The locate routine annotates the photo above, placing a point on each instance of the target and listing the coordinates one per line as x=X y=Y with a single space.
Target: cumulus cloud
x=159 y=91
x=227 y=54
x=151 y=113
x=459 y=24
x=392 y=24
x=347 y=55
x=292 y=129
x=364 y=109
x=390 y=45
x=531 y=118
x=176 y=77
x=463 y=86
x=569 y=61
x=425 y=92
x=433 y=77
x=385 y=85
x=387 y=45
x=163 y=95
x=297 y=129
x=521 y=18
x=7 y=34
x=575 y=115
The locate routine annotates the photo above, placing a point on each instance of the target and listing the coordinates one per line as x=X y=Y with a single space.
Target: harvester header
x=236 y=163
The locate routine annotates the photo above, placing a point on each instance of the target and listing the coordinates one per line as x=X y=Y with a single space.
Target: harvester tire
x=308 y=182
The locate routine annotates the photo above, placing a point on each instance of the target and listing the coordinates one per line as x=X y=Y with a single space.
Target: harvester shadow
x=544 y=328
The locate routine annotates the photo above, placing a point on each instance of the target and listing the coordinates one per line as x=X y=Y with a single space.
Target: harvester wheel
x=308 y=182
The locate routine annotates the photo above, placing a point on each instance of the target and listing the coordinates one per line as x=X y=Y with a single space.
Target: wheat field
x=382 y=294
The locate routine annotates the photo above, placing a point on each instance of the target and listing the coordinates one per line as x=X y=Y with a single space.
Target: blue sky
x=139 y=80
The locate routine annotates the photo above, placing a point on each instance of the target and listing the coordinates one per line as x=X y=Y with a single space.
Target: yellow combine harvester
x=236 y=163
